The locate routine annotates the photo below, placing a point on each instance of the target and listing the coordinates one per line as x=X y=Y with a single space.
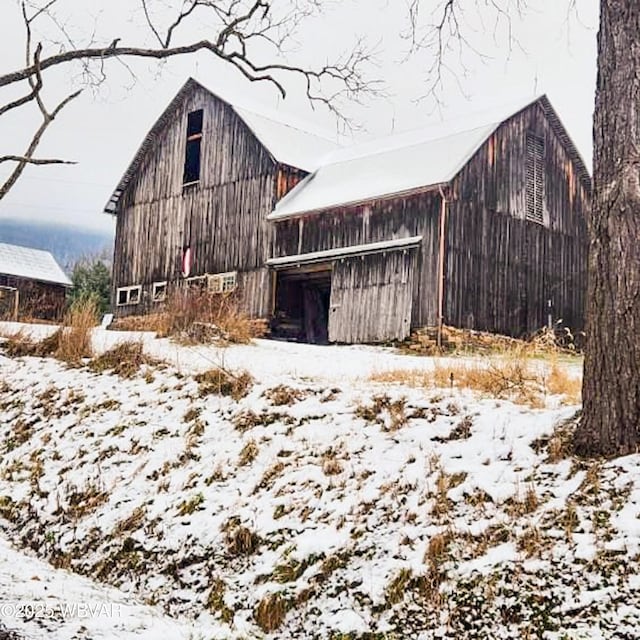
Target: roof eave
x=277 y=217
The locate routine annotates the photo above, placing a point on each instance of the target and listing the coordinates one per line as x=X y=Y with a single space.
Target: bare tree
x=249 y=35
x=610 y=422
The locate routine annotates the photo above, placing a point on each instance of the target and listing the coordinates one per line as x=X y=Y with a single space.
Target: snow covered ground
x=38 y=601
x=318 y=504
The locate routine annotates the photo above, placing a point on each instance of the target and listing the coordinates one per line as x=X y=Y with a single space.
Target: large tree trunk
x=610 y=423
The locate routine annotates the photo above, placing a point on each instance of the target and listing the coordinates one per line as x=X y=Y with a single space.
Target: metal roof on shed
x=31 y=264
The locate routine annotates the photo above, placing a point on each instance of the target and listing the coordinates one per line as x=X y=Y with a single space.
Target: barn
x=481 y=228
x=192 y=206
x=32 y=284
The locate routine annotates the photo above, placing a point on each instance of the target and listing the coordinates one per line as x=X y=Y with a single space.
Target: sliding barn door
x=371 y=297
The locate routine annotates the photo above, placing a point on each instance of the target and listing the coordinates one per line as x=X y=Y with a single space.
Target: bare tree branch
x=446 y=35
x=235 y=27
x=27 y=160
x=27 y=157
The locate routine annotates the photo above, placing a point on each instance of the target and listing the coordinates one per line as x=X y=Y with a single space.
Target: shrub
x=91 y=279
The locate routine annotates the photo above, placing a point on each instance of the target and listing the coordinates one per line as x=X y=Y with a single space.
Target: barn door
x=371 y=297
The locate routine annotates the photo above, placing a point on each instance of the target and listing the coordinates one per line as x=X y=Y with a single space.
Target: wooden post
x=443 y=228
x=16 y=304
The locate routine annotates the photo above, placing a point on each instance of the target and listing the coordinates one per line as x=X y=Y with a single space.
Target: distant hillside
x=67 y=243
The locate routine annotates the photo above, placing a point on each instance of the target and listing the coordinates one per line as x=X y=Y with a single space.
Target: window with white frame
x=159 y=291
x=197 y=282
x=128 y=295
x=222 y=282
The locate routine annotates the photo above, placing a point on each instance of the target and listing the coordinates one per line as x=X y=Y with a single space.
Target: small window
x=193 y=148
x=535 y=179
x=197 y=282
x=128 y=295
x=222 y=282
x=159 y=291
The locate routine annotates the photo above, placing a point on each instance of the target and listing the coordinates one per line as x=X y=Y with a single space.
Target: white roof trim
x=345 y=252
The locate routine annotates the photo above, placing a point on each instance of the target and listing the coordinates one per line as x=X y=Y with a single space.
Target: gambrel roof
x=287 y=144
x=402 y=164
x=31 y=264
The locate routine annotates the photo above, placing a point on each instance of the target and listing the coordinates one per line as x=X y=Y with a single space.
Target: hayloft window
x=535 y=179
x=193 y=148
x=128 y=295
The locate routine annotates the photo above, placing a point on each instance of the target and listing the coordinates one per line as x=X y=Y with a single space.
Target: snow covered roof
x=32 y=264
x=403 y=163
x=286 y=143
x=394 y=166
x=343 y=252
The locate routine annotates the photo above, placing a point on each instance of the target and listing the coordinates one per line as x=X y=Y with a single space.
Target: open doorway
x=302 y=304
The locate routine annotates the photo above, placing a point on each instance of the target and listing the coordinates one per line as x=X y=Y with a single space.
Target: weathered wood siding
x=222 y=217
x=379 y=220
x=371 y=297
x=501 y=269
x=38 y=300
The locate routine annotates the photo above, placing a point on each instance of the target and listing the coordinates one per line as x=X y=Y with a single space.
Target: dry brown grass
x=389 y=414
x=71 y=343
x=196 y=316
x=560 y=383
x=249 y=453
x=19 y=344
x=225 y=383
x=283 y=395
x=216 y=603
x=516 y=377
x=239 y=540
x=546 y=341
x=438 y=548
x=531 y=542
x=125 y=360
x=270 y=612
x=331 y=466
x=397 y=588
x=74 y=342
x=131 y=522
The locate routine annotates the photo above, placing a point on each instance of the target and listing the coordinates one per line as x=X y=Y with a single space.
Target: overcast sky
x=553 y=52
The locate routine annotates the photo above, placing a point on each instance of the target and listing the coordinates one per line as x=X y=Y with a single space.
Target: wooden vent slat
x=535 y=179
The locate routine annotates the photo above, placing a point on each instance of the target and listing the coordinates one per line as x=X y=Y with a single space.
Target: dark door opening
x=302 y=305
